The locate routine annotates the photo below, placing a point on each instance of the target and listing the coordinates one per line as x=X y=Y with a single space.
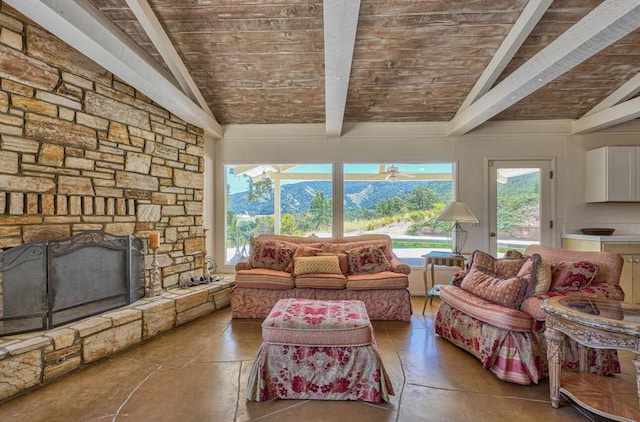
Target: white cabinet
x=613 y=174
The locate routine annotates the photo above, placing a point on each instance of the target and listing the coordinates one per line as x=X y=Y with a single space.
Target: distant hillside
x=296 y=197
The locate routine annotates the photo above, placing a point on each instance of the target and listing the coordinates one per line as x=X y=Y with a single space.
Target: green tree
x=390 y=207
x=264 y=224
x=260 y=189
x=422 y=198
x=288 y=224
x=232 y=228
x=245 y=230
x=320 y=209
x=305 y=222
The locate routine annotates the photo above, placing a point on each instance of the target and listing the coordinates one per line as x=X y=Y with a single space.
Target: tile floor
x=199 y=372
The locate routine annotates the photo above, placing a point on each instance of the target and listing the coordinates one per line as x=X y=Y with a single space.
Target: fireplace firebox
x=50 y=283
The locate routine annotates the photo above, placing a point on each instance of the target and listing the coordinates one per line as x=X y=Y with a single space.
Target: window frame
x=337 y=177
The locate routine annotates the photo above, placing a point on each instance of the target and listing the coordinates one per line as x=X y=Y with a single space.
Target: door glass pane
x=518 y=208
x=401 y=200
x=289 y=199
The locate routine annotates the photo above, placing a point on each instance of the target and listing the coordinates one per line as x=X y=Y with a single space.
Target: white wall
x=578 y=213
x=409 y=142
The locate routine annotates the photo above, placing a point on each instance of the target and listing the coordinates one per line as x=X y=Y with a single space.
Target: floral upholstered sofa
x=355 y=268
x=492 y=309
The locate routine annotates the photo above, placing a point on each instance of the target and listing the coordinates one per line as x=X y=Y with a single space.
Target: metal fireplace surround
x=49 y=283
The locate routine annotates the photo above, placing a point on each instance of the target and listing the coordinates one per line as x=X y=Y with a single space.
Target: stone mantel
x=33 y=359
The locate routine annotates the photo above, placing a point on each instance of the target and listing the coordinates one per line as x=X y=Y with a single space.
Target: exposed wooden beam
x=340 y=25
x=509 y=47
x=626 y=91
x=608 y=117
x=165 y=47
x=606 y=24
x=86 y=29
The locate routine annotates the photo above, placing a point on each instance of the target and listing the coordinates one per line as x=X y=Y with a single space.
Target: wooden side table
x=432 y=259
x=596 y=323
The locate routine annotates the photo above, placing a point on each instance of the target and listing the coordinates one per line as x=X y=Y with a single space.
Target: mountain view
x=296 y=197
x=406 y=209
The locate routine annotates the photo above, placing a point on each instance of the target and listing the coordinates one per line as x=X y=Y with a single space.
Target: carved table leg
x=555 y=341
x=636 y=363
x=583 y=356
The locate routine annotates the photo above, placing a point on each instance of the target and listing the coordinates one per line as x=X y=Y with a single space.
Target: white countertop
x=612 y=238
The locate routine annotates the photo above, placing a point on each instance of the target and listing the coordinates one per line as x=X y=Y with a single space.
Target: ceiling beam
x=520 y=30
x=606 y=24
x=340 y=25
x=165 y=47
x=608 y=117
x=626 y=91
x=86 y=29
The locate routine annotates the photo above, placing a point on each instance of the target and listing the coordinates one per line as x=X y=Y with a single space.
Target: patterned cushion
x=301 y=250
x=544 y=279
x=504 y=267
x=342 y=260
x=367 y=259
x=316 y=265
x=572 y=276
x=508 y=292
x=306 y=322
x=321 y=281
x=263 y=278
x=538 y=274
x=383 y=280
x=486 y=311
x=272 y=254
x=345 y=247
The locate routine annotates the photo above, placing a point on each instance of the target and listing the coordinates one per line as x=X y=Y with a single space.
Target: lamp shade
x=458 y=212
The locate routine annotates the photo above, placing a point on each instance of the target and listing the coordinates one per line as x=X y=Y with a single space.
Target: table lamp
x=457 y=212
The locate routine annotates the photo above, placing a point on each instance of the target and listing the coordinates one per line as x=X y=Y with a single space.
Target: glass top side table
x=595 y=323
x=432 y=259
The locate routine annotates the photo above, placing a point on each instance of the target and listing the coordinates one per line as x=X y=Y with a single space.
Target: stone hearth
x=32 y=359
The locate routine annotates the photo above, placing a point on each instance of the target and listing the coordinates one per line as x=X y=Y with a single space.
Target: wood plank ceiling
x=263 y=62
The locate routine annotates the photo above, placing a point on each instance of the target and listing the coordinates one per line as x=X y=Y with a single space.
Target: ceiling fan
x=394 y=173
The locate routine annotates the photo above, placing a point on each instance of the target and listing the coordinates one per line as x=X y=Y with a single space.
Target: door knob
x=492 y=234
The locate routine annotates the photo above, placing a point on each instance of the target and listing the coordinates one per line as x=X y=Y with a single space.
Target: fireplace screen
x=47 y=284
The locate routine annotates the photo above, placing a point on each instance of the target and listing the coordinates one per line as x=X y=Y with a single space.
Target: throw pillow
x=342 y=260
x=544 y=279
x=301 y=250
x=347 y=246
x=316 y=265
x=509 y=292
x=367 y=260
x=572 y=276
x=503 y=267
x=271 y=254
x=537 y=272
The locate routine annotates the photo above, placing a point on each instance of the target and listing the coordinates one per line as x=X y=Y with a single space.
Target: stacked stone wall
x=82 y=150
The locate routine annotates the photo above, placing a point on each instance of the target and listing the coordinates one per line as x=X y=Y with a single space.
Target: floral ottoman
x=318 y=349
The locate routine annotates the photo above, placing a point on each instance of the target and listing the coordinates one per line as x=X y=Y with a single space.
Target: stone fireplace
x=80 y=150
x=46 y=284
